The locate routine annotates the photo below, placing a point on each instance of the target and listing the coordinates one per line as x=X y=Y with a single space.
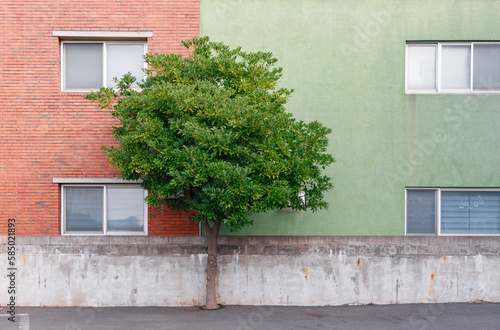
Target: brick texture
x=47 y=133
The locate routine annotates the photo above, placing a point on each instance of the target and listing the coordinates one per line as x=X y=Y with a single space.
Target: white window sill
x=103 y=34
x=92 y=180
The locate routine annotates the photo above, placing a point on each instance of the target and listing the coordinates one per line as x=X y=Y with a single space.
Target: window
x=104 y=209
x=90 y=65
x=452 y=67
x=440 y=211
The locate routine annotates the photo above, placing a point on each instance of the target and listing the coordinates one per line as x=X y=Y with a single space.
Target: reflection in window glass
x=125 y=209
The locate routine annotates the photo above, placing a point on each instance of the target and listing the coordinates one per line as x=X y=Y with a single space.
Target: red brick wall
x=46 y=133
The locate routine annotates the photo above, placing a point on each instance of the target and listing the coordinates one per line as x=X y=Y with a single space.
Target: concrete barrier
x=255 y=270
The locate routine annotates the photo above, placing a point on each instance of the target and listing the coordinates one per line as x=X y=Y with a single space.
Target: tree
x=208 y=132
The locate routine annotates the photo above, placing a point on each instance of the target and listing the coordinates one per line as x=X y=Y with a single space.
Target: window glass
x=486 y=67
x=454 y=212
x=83 y=65
x=455 y=67
x=421 y=67
x=470 y=212
x=125 y=209
x=84 y=208
x=104 y=209
x=123 y=59
x=421 y=211
x=90 y=66
x=485 y=213
x=463 y=67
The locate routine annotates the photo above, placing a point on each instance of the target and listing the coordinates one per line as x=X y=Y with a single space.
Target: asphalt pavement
x=411 y=316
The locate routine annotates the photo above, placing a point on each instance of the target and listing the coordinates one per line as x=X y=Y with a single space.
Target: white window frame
x=439 y=89
x=438 y=210
x=105 y=187
x=104 y=43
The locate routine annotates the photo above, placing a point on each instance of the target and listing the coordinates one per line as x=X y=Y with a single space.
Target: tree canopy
x=211 y=129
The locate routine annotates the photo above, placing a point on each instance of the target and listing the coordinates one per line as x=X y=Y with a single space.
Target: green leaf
x=211 y=128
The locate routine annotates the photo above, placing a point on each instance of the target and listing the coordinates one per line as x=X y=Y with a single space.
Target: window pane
x=484 y=212
x=486 y=67
x=125 y=209
x=421 y=67
x=83 y=65
x=455 y=67
x=454 y=212
x=84 y=208
x=421 y=211
x=470 y=212
x=123 y=59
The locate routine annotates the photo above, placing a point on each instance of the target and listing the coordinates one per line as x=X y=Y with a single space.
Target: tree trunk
x=212 y=234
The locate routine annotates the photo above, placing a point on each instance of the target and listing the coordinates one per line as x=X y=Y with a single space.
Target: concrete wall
x=314 y=270
x=346 y=62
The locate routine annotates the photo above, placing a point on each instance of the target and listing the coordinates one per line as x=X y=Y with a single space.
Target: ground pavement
x=475 y=316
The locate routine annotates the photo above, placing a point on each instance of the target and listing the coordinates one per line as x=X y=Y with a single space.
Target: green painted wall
x=346 y=62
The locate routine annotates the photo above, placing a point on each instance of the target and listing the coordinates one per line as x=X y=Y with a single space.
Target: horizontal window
x=90 y=65
x=440 y=211
x=104 y=209
x=452 y=67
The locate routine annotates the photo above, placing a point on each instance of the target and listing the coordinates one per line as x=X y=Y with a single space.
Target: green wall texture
x=346 y=62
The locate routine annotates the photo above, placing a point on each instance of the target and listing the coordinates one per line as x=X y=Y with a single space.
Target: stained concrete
x=285 y=271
